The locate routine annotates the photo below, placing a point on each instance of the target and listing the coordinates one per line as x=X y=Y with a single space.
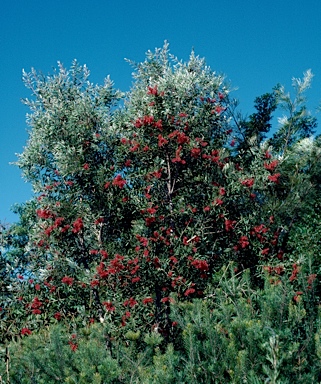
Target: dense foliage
x=168 y=239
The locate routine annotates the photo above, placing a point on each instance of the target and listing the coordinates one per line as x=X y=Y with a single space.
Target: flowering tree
x=138 y=205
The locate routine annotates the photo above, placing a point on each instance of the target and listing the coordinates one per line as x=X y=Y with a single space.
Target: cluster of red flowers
x=248 y=182
x=25 y=331
x=67 y=280
x=295 y=272
x=109 y=306
x=35 y=305
x=77 y=225
x=202 y=265
x=119 y=182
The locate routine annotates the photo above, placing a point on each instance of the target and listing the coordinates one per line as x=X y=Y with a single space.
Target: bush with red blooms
x=139 y=207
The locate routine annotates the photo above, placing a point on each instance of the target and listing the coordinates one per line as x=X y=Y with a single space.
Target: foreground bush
x=234 y=335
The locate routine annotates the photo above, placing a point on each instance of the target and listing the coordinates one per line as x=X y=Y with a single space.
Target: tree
x=139 y=206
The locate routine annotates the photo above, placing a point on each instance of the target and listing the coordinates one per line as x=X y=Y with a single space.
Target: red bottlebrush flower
x=218 y=201
x=93 y=252
x=128 y=163
x=109 y=306
x=167 y=300
x=156 y=262
x=229 y=225
x=78 y=225
x=37 y=287
x=189 y=291
x=148 y=120
x=159 y=125
x=44 y=214
x=58 y=222
x=195 y=152
x=271 y=166
x=104 y=254
x=274 y=178
x=86 y=166
x=177 y=158
x=162 y=141
x=130 y=302
x=94 y=283
x=182 y=138
x=119 y=181
x=265 y=251
x=152 y=210
x=48 y=231
x=147 y=300
x=20 y=277
x=295 y=272
x=57 y=316
x=25 y=331
x=107 y=185
x=65 y=228
x=202 y=265
x=152 y=91
x=99 y=221
x=244 y=242
x=69 y=183
x=36 y=312
x=135 y=279
x=221 y=96
x=268 y=155
x=219 y=109
x=222 y=191
x=173 y=259
x=73 y=346
x=138 y=123
x=123 y=140
x=149 y=221
x=248 y=182
x=67 y=280
x=36 y=303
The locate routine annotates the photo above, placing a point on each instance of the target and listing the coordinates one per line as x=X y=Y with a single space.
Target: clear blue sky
x=255 y=43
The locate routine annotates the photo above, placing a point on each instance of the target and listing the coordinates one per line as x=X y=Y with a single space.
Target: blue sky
x=256 y=44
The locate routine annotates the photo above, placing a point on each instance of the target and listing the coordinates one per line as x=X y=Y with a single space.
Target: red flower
x=25 y=331
x=67 y=280
x=73 y=346
x=159 y=125
x=78 y=225
x=148 y=300
x=131 y=302
x=244 y=242
x=195 y=152
x=57 y=316
x=152 y=91
x=36 y=303
x=162 y=141
x=167 y=299
x=274 y=178
x=229 y=225
x=271 y=166
x=119 y=181
x=44 y=214
x=86 y=166
x=109 y=306
x=37 y=287
x=36 y=312
x=248 y=182
x=189 y=291
x=202 y=265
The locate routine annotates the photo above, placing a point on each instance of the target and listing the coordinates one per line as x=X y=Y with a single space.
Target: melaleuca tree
x=139 y=205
